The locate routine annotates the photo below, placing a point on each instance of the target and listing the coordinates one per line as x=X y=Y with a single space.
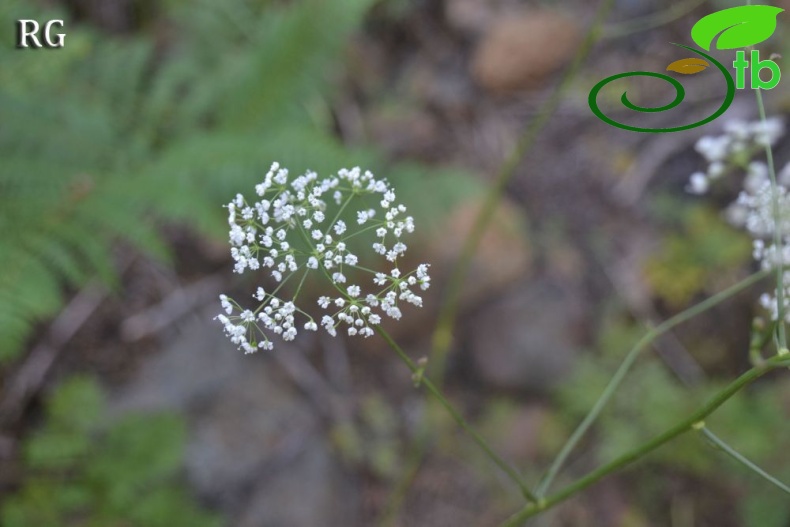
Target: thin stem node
x=456 y=415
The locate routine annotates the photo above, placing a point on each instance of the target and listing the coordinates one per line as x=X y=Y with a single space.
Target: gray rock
x=196 y=363
x=244 y=432
x=311 y=490
x=527 y=339
x=256 y=449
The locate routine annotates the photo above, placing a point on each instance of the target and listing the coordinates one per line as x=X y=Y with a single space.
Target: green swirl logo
x=737 y=27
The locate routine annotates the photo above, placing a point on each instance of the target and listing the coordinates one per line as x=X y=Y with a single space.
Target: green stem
x=780 y=288
x=363 y=230
x=340 y=212
x=449 y=310
x=651 y=21
x=694 y=421
x=737 y=456
x=437 y=394
x=629 y=360
x=404 y=483
x=299 y=287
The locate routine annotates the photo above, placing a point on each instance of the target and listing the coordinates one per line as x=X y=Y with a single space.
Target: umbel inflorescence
x=754 y=209
x=295 y=229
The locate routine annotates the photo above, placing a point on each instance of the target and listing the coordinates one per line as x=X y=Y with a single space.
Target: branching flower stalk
x=719 y=443
x=437 y=394
x=763 y=206
x=692 y=423
x=288 y=233
x=778 y=235
x=778 y=231
x=442 y=335
x=763 y=210
x=626 y=365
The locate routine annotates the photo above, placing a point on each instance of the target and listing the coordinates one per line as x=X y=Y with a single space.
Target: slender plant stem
x=437 y=394
x=626 y=365
x=740 y=458
x=653 y=20
x=694 y=421
x=404 y=483
x=444 y=328
x=448 y=311
x=419 y=449
x=780 y=288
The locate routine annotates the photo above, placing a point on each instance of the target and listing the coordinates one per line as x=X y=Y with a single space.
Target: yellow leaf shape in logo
x=688 y=66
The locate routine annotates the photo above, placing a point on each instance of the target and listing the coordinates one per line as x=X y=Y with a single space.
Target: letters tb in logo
x=27 y=34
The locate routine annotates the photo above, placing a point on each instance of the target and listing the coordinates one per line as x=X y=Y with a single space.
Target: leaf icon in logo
x=739 y=27
x=688 y=66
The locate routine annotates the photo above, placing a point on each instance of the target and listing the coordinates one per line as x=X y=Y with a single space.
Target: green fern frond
x=103 y=139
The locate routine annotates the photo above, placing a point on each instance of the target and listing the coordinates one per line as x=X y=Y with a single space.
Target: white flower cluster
x=738 y=144
x=754 y=209
x=294 y=229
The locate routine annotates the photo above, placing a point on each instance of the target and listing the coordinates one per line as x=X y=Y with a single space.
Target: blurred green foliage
x=103 y=133
x=650 y=401
x=701 y=252
x=372 y=441
x=83 y=473
x=107 y=137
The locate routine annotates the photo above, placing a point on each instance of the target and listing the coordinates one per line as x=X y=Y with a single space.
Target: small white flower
x=716 y=170
x=699 y=183
x=713 y=148
x=226 y=305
